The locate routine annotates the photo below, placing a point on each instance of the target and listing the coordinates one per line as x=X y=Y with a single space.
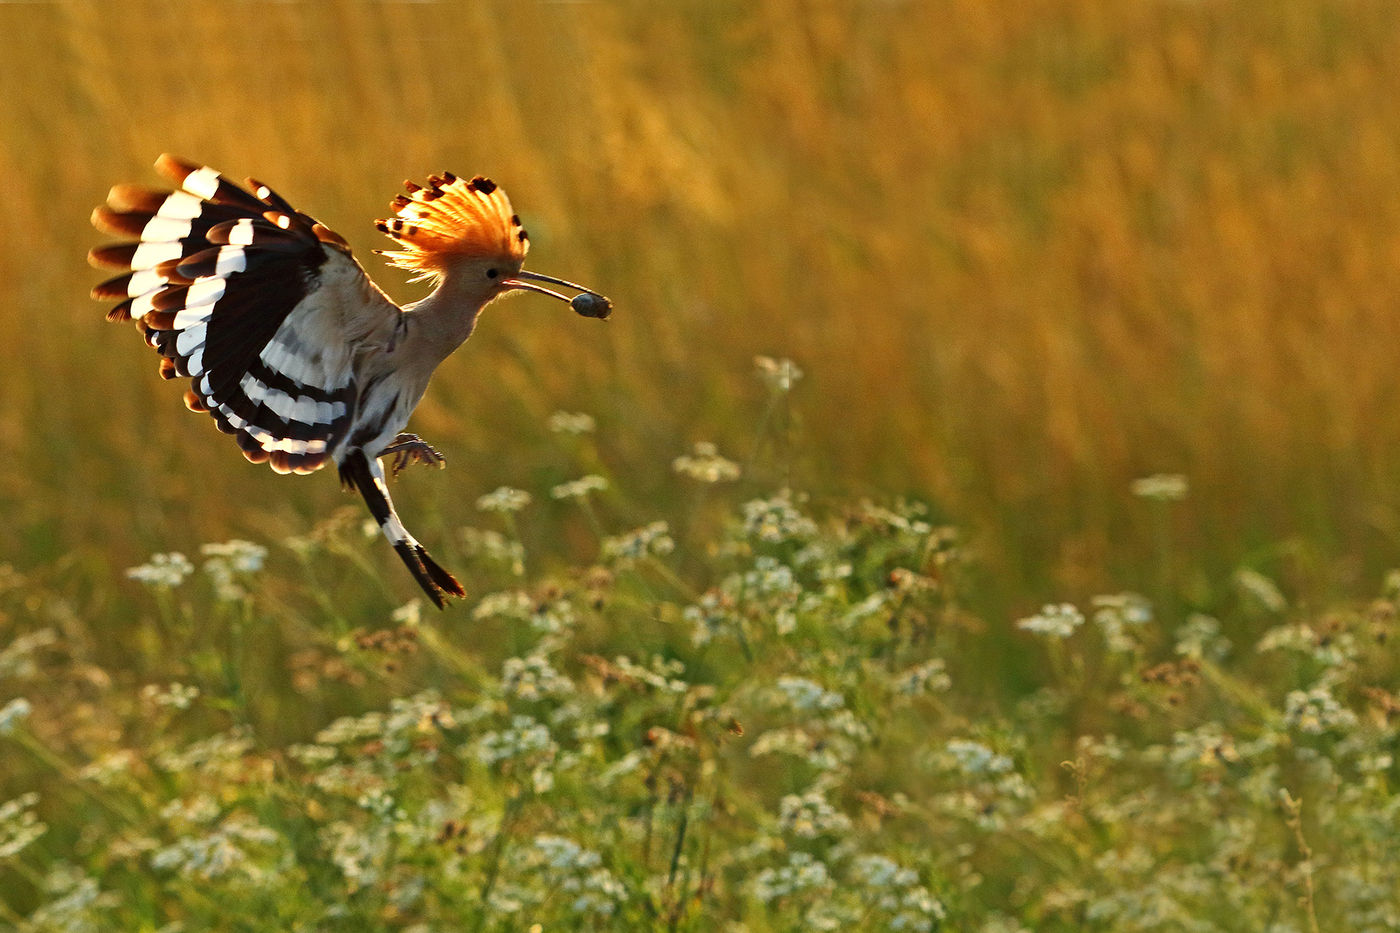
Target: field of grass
x=1047 y=587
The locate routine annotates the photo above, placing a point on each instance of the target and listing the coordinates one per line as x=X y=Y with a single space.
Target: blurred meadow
x=1025 y=253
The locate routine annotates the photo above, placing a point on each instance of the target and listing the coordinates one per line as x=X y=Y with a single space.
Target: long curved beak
x=587 y=303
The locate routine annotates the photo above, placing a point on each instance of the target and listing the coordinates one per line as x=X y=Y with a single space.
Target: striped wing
x=246 y=296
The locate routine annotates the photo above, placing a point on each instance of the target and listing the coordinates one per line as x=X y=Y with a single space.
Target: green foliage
x=785 y=724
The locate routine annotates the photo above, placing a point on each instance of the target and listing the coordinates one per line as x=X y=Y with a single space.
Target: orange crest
x=453 y=218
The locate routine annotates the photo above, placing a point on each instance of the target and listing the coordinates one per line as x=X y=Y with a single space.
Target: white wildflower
x=1208 y=746
x=399 y=729
x=175 y=696
x=566 y=422
x=350 y=729
x=580 y=488
x=507 y=604
x=13 y=713
x=18 y=825
x=651 y=540
x=357 y=852
x=770 y=579
x=492 y=545
x=777 y=374
x=866 y=608
x=410 y=614
x=504 y=500
x=1295 y=637
x=709 y=617
x=17 y=658
x=218 y=854
x=1260 y=590
x=312 y=756
x=877 y=871
x=896 y=892
x=777 y=519
x=199 y=810
x=1316 y=711
x=110 y=767
x=1333 y=649
x=625 y=765
x=844 y=721
x=810 y=815
x=801 y=873
x=224 y=748
x=525 y=738
x=974 y=758
x=928 y=677
x=163 y=571
x=1116 y=614
x=76 y=904
x=795 y=742
x=240 y=556
x=1200 y=637
x=1054 y=620
x=661 y=674
x=578 y=873
x=533 y=678
x=1162 y=487
x=706 y=465
x=808 y=696
x=784 y=620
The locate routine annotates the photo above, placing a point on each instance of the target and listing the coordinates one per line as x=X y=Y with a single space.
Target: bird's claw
x=410 y=448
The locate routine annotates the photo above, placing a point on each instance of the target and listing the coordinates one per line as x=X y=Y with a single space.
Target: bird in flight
x=287 y=342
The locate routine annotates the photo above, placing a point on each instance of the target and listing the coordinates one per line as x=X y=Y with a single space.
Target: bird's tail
x=366 y=475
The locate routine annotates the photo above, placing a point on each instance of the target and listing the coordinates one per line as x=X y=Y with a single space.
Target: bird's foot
x=410 y=448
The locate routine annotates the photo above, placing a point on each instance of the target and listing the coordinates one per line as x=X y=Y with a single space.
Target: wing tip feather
x=174 y=168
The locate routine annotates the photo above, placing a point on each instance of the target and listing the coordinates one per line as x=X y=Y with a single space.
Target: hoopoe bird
x=287 y=342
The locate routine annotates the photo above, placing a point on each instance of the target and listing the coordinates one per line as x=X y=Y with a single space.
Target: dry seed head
x=452 y=219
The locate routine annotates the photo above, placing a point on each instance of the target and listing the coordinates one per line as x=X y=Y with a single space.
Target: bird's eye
x=492 y=273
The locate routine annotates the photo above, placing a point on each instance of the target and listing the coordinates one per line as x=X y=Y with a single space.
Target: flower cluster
x=13 y=713
x=229 y=562
x=226 y=563
x=533 y=678
x=1162 y=487
x=653 y=540
x=580 y=488
x=760 y=731
x=576 y=874
x=566 y=422
x=802 y=874
x=705 y=464
x=895 y=892
x=776 y=520
x=164 y=571
x=18 y=825
x=810 y=815
x=1054 y=621
x=780 y=375
x=504 y=500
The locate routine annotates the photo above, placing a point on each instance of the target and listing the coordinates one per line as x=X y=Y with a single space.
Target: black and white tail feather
x=283 y=337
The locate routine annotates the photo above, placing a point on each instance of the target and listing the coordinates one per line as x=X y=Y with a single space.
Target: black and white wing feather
x=249 y=298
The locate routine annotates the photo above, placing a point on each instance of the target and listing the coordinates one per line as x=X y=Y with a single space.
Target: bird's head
x=466 y=229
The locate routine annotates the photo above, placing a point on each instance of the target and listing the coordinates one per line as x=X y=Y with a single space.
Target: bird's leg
x=410 y=448
x=366 y=475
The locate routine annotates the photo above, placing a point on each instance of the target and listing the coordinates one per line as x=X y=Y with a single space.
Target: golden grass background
x=1025 y=251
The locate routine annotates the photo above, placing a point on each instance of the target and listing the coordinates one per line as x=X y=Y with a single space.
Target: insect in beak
x=587 y=303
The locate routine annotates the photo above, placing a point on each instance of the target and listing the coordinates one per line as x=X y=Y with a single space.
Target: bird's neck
x=442 y=321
